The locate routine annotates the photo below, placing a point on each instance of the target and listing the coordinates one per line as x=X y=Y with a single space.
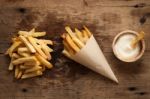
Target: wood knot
x=22 y=10
x=140 y=5
x=85 y=3
x=143 y=18
x=24 y=90
x=132 y=88
x=141 y=93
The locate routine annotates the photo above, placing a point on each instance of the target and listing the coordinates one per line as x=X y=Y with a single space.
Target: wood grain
x=70 y=80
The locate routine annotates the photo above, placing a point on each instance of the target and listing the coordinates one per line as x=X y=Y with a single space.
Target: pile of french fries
x=74 y=41
x=29 y=55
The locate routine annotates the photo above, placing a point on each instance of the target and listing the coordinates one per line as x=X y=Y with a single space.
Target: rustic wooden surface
x=69 y=80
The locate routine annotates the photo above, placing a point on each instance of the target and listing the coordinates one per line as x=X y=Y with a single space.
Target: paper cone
x=92 y=57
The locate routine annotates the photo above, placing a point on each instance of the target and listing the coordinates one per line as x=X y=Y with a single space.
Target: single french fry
x=68 y=48
x=72 y=44
x=85 y=36
x=15 y=39
x=15 y=56
x=49 y=49
x=26 y=42
x=23 y=60
x=11 y=66
x=66 y=53
x=32 y=74
x=68 y=29
x=88 y=31
x=30 y=64
x=49 y=42
x=63 y=35
x=35 y=68
x=137 y=39
x=7 y=52
x=38 y=34
x=32 y=31
x=23 y=33
x=13 y=47
x=24 y=67
x=43 y=61
x=16 y=71
x=19 y=74
x=24 y=54
x=23 y=49
x=33 y=42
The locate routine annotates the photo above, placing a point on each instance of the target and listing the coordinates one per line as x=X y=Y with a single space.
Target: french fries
x=72 y=44
x=68 y=48
x=29 y=55
x=45 y=48
x=38 y=49
x=75 y=41
x=74 y=38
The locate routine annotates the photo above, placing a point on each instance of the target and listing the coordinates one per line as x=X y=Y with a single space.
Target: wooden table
x=69 y=80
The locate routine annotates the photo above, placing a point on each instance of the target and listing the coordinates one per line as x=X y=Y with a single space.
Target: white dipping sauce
x=123 y=47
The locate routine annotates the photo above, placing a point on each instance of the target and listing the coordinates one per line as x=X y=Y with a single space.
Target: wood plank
x=87 y=3
x=70 y=80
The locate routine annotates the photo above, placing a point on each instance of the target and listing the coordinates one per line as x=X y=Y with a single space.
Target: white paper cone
x=92 y=57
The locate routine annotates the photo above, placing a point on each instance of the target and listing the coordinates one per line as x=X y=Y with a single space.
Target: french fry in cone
x=84 y=49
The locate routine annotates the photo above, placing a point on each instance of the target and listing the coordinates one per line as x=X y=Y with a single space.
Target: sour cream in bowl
x=122 y=46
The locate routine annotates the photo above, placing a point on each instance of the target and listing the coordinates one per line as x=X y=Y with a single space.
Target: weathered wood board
x=69 y=80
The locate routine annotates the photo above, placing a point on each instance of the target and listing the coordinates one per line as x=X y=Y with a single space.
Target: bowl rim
x=132 y=59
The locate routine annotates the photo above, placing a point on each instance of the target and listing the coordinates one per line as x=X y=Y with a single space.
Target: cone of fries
x=82 y=47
